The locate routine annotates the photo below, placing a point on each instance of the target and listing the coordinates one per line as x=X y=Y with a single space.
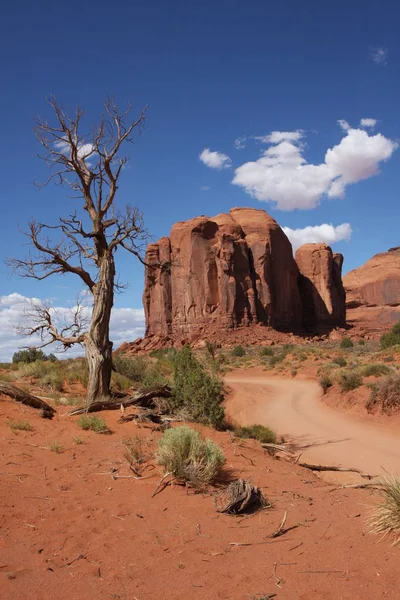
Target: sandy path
x=293 y=408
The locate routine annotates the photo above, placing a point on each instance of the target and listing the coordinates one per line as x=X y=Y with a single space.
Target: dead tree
x=85 y=242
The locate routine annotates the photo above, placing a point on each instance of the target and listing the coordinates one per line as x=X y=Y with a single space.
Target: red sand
x=70 y=531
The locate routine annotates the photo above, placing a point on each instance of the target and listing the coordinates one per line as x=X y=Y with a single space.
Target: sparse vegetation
x=262 y=434
x=95 y=424
x=238 y=351
x=197 y=395
x=16 y=425
x=361 y=342
x=267 y=351
x=78 y=440
x=187 y=456
x=134 y=453
x=339 y=360
x=346 y=343
x=385 y=518
x=325 y=382
x=376 y=370
x=392 y=338
x=350 y=381
x=56 y=447
x=385 y=395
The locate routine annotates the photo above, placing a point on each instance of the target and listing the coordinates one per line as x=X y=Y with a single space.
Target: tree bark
x=97 y=342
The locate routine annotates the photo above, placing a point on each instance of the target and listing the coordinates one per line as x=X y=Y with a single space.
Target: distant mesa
x=236 y=272
x=373 y=290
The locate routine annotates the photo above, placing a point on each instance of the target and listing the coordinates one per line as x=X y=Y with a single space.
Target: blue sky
x=211 y=73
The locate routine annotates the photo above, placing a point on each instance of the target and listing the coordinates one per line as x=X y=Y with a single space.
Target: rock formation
x=373 y=290
x=236 y=270
x=320 y=285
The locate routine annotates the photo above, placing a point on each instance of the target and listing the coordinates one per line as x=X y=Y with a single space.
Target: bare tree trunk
x=97 y=343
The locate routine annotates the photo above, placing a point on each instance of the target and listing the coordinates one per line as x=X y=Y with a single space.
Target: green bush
x=196 y=393
x=325 y=382
x=134 y=368
x=386 y=395
x=238 y=351
x=346 y=343
x=186 y=455
x=361 y=342
x=154 y=377
x=54 y=380
x=267 y=351
x=262 y=434
x=120 y=382
x=31 y=355
x=392 y=338
x=339 y=360
x=95 y=424
x=376 y=370
x=350 y=381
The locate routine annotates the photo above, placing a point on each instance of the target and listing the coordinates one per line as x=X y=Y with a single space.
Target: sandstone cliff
x=236 y=270
x=373 y=290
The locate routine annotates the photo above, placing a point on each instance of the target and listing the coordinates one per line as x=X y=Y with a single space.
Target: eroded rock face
x=373 y=290
x=320 y=285
x=234 y=270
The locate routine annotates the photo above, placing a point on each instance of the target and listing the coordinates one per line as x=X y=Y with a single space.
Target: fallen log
x=145 y=399
x=33 y=401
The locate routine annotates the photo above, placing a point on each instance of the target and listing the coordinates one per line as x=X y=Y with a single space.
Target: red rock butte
x=237 y=270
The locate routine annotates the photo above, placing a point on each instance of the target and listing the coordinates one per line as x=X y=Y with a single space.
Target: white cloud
x=344 y=124
x=283 y=176
x=368 y=123
x=64 y=147
x=215 y=160
x=318 y=233
x=280 y=136
x=240 y=142
x=126 y=325
x=379 y=55
x=204 y=188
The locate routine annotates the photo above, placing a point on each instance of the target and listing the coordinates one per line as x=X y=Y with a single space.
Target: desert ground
x=76 y=522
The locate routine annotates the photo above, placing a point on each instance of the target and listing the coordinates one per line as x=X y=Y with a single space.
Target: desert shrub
x=350 y=381
x=185 y=454
x=385 y=394
x=54 y=380
x=392 y=338
x=376 y=369
x=211 y=348
x=16 y=425
x=120 y=382
x=5 y=377
x=196 y=393
x=325 y=382
x=95 y=424
x=385 y=517
x=238 y=351
x=134 y=368
x=262 y=434
x=29 y=355
x=154 y=376
x=346 y=343
x=38 y=369
x=361 y=342
x=76 y=371
x=339 y=360
x=389 y=358
x=267 y=351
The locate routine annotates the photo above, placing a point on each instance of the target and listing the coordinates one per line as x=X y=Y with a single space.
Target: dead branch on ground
x=25 y=398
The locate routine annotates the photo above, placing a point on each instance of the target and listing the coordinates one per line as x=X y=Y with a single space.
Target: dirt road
x=293 y=408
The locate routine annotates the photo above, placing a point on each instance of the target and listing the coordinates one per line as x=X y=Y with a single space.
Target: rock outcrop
x=373 y=290
x=320 y=285
x=237 y=270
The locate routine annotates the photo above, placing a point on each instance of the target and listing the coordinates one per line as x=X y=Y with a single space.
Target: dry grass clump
x=188 y=457
x=56 y=447
x=385 y=394
x=15 y=425
x=95 y=424
x=385 y=518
